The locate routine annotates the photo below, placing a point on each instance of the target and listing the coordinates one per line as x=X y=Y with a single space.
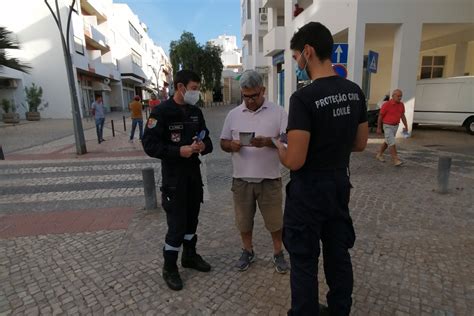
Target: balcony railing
x=246 y=30
x=95 y=7
x=93 y=35
x=274 y=41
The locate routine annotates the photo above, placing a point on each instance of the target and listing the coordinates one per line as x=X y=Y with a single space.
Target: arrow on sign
x=338 y=52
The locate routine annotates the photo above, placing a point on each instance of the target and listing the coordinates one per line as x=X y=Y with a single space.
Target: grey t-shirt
x=99 y=109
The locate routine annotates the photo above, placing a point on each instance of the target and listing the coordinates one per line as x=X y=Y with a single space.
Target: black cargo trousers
x=316 y=209
x=181 y=198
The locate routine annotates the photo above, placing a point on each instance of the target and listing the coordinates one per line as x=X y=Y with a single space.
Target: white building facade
x=231 y=57
x=415 y=40
x=104 y=59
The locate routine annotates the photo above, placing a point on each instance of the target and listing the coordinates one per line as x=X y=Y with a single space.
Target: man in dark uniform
x=327 y=121
x=176 y=133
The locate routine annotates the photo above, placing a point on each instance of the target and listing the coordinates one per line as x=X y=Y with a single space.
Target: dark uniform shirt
x=171 y=126
x=331 y=109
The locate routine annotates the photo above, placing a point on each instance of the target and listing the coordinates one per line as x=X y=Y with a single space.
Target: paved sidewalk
x=413 y=254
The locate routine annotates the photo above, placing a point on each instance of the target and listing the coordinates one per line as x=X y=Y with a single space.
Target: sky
x=206 y=19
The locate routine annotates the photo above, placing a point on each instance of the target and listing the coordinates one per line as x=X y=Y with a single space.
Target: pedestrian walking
x=327 y=121
x=390 y=115
x=176 y=133
x=256 y=167
x=98 y=111
x=136 y=115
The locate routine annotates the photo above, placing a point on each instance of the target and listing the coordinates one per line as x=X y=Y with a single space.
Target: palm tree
x=6 y=42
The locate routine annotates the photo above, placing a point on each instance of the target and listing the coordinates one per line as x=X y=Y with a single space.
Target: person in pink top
x=256 y=166
x=390 y=115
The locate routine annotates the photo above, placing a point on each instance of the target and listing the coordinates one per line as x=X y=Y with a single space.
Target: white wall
x=41 y=48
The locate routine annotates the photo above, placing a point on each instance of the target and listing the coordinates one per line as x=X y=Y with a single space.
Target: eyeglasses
x=252 y=97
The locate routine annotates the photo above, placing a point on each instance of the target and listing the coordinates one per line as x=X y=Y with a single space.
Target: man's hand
x=186 y=151
x=405 y=129
x=235 y=146
x=261 y=141
x=379 y=131
x=198 y=146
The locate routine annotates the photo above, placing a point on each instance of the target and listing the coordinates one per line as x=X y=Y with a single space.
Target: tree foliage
x=205 y=60
x=7 y=42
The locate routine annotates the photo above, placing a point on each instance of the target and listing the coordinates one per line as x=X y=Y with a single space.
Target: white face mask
x=191 y=97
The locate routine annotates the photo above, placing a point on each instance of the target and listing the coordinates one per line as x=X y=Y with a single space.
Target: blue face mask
x=301 y=74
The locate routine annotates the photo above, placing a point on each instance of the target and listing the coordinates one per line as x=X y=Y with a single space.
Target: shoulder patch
x=151 y=123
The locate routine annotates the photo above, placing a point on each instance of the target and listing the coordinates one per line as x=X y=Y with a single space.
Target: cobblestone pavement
x=413 y=254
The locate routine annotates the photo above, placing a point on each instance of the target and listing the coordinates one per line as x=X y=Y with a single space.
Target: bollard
x=2 y=156
x=149 y=188
x=124 y=125
x=444 y=167
x=113 y=128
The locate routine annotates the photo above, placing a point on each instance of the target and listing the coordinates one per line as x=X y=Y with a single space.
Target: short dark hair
x=316 y=35
x=184 y=77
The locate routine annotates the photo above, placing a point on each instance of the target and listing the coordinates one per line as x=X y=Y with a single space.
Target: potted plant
x=9 y=115
x=34 y=98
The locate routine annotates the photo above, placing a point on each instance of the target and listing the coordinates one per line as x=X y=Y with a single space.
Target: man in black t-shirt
x=327 y=121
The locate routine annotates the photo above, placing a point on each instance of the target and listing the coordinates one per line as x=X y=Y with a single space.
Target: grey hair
x=250 y=79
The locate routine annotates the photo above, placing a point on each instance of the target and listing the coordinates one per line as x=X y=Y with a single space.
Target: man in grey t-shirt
x=99 y=114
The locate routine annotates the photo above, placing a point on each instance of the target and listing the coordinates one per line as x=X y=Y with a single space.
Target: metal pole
x=444 y=167
x=149 y=188
x=124 y=125
x=113 y=128
x=76 y=114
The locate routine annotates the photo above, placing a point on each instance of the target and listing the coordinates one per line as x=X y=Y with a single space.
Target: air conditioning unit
x=263 y=17
x=106 y=80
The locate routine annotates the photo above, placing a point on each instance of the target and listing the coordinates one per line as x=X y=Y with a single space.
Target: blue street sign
x=339 y=53
x=372 y=61
x=341 y=70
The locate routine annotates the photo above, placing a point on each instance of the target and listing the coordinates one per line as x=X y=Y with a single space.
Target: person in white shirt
x=256 y=166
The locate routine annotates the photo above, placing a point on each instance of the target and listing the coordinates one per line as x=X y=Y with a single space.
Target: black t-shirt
x=331 y=109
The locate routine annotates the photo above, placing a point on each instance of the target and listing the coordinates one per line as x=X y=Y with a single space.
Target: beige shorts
x=267 y=194
x=390 y=131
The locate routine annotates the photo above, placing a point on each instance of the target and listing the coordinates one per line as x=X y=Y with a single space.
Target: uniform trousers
x=181 y=198
x=316 y=209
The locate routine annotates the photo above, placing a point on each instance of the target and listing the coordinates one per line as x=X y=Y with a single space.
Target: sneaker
x=245 y=260
x=130 y=140
x=397 y=162
x=380 y=157
x=281 y=266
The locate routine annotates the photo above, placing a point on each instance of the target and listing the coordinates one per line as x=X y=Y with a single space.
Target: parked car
x=445 y=101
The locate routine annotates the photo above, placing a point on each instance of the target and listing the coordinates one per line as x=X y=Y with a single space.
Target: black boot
x=190 y=259
x=170 y=270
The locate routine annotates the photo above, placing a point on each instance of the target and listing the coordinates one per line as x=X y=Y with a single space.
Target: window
x=260 y=44
x=136 y=58
x=134 y=33
x=78 y=45
x=432 y=67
